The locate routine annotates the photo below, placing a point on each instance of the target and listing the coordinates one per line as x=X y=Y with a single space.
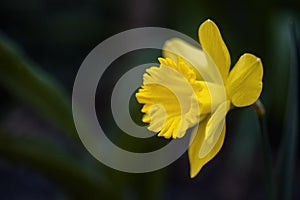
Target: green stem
x=266 y=149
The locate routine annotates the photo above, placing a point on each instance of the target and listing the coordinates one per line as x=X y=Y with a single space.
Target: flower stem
x=266 y=149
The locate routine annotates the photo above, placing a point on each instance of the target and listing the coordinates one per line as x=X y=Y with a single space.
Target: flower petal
x=194 y=56
x=176 y=47
x=208 y=140
x=197 y=163
x=244 y=83
x=211 y=96
x=214 y=128
x=212 y=43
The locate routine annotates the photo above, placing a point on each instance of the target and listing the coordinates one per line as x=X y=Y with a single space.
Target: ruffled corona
x=170 y=94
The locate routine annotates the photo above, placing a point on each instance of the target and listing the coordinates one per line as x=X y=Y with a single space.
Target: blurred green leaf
x=265 y=149
x=47 y=157
x=286 y=161
x=34 y=87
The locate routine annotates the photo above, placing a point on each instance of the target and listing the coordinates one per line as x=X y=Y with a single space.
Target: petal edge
x=212 y=42
x=244 y=84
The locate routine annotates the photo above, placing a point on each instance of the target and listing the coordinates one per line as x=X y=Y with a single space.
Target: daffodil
x=194 y=88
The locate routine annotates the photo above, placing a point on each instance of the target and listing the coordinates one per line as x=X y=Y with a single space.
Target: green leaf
x=33 y=86
x=67 y=169
x=286 y=161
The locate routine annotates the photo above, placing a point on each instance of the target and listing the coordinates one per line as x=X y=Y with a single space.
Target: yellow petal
x=212 y=43
x=211 y=96
x=194 y=56
x=244 y=83
x=176 y=47
x=196 y=163
x=213 y=129
x=208 y=140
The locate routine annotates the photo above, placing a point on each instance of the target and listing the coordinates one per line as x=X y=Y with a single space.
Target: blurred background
x=42 y=45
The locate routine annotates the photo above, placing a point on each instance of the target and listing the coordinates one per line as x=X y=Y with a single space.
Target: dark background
x=57 y=35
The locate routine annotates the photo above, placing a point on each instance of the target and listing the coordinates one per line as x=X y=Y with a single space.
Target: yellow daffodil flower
x=194 y=88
